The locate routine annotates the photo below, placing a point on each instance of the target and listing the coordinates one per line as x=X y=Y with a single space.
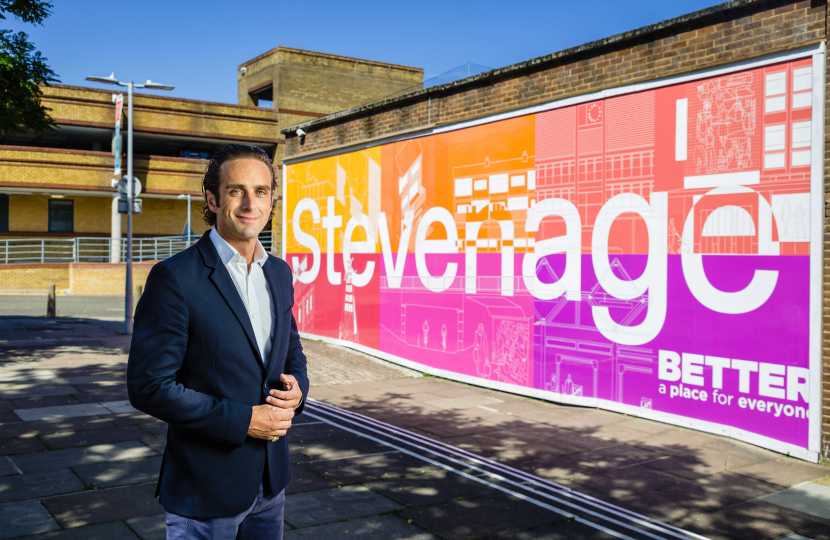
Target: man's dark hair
x=212 y=179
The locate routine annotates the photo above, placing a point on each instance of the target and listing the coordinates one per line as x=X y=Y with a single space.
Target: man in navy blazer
x=216 y=354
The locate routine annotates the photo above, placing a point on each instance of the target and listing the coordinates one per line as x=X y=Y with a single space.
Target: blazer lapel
x=222 y=280
x=269 y=269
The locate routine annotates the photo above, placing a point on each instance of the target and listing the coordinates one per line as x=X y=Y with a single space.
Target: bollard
x=50 y=303
x=137 y=290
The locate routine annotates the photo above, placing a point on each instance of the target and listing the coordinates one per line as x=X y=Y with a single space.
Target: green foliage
x=22 y=71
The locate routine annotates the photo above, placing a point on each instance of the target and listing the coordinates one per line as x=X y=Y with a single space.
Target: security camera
x=300 y=132
x=243 y=71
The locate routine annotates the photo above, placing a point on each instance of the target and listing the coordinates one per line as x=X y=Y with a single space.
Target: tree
x=22 y=71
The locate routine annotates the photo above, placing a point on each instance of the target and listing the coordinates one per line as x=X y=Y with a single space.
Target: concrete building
x=58 y=184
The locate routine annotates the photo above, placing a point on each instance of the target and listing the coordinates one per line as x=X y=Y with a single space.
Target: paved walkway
x=384 y=454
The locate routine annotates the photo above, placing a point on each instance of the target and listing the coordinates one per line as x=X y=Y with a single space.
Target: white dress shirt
x=252 y=287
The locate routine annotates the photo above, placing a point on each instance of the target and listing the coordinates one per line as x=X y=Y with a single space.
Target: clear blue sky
x=198 y=45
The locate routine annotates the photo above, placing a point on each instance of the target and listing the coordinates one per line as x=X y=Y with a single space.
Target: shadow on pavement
x=95 y=473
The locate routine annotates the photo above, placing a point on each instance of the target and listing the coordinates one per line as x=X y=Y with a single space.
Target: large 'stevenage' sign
x=647 y=252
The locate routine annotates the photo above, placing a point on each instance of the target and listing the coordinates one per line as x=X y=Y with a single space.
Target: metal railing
x=85 y=249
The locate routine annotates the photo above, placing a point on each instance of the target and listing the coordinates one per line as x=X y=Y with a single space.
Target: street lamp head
x=106 y=80
x=182 y=197
x=156 y=86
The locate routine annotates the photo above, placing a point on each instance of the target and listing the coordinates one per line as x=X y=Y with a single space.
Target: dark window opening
x=263 y=96
x=61 y=216
x=4 y=212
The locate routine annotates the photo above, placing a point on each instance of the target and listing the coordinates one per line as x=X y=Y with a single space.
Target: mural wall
x=648 y=252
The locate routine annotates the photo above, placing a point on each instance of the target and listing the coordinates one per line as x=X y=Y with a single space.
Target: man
x=216 y=354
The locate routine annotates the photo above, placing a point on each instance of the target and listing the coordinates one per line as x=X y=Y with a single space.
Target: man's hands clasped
x=273 y=419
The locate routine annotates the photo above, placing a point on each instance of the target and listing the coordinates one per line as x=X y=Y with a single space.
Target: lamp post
x=189 y=227
x=128 y=301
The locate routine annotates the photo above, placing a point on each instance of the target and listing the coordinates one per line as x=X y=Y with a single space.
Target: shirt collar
x=227 y=252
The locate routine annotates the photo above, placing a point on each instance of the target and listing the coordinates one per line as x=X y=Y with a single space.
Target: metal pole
x=188 y=221
x=128 y=301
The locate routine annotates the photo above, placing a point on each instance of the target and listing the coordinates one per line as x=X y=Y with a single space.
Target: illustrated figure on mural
x=676 y=243
x=481 y=353
x=425 y=329
x=348 y=320
x=444 y=336
x=798 y=216
x=511 y=351
x=725 y=124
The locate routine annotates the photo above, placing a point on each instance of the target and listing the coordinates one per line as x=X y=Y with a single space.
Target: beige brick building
x=59 y=184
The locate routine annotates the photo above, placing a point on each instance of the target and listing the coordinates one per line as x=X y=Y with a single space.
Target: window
x=4 y=212
x=61 y=216
x=464 y=187
x=776 y=90
x=802 y=87
x=801 y=143
x=775 y=144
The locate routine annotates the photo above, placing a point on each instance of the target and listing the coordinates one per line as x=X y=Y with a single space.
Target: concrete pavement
x=384 y=453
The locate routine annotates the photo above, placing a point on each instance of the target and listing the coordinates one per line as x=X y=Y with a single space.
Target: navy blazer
x=194 y=363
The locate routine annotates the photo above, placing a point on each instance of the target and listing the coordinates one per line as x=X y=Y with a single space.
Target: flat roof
x=303 y=52
x=564 y=54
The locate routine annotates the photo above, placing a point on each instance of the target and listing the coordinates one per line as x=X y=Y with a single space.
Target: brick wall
x=89 y=106
x=732 y=32
x=748 y=29
x=105 y=279
x=50 y=168
x=32 y=277
x=93 y=216
x=88 y=279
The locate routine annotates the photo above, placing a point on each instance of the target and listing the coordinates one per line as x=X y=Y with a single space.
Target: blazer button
x=265 y=385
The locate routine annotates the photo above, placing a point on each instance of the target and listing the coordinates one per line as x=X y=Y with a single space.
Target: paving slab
x=304 y=480
x=156 y=443
x=119 y=407
x=105 y=531
x=385 y=527
x=464 y=402
x=487 y=515
x=102 y=396
x=751 y=520
x=100 y=506
x=88 y=379
x=702 y=462
x=810 y=498
x=628 y=481
x=120 y=473
x=365 y=468
x=312 y=432
x=336 y=448
x=24 y=518
x=20 y=445
x=149 y=527
x=72 y=439
x=38 y=484
x=129 y=419
x=784 y=472
x=7 y=467
x=331 y=505
x=34 y=389
x=71 y=457
x=41 y=402
x=817 y=531
x=31 y=429
x=26 y=375
x=425 y=489
x=61 y=411
x=561 y=531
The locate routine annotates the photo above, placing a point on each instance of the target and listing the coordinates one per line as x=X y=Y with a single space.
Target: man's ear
x=211 y=201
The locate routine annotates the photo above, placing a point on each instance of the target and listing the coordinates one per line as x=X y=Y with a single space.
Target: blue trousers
x=262 y=521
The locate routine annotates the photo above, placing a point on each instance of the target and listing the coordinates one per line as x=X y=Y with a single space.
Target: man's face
x=244 y=199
